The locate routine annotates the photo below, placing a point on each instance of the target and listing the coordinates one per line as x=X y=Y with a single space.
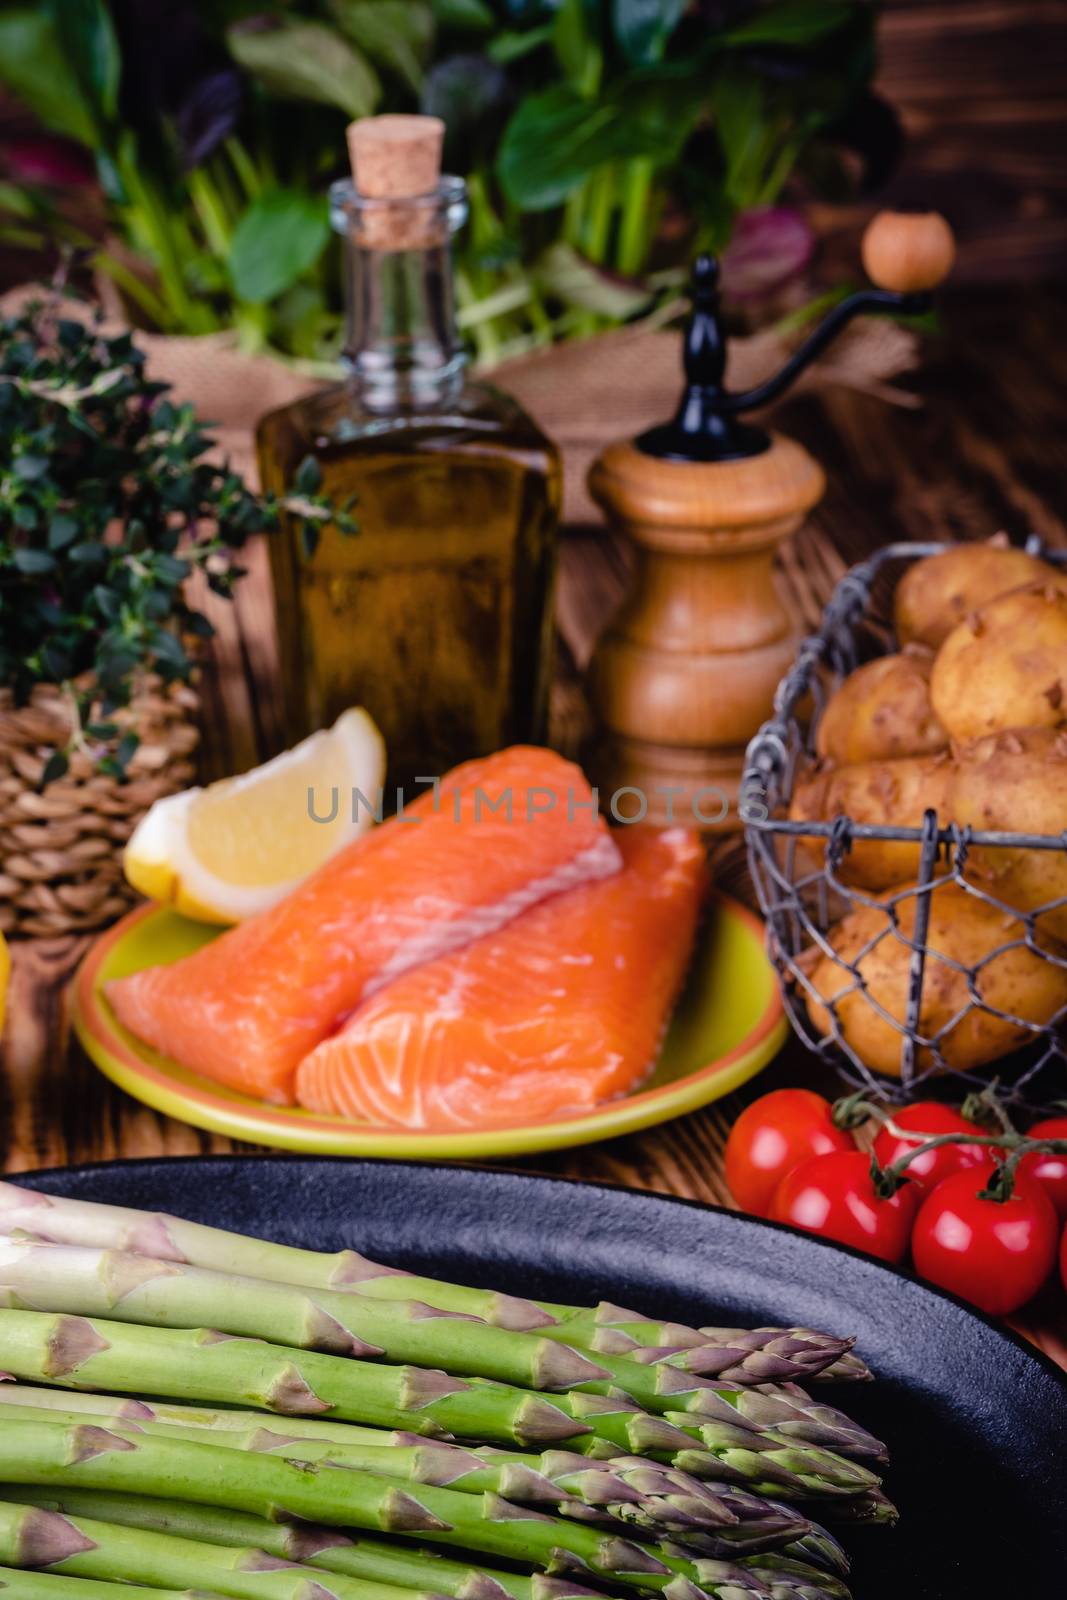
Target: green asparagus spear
x=642 y=1493
x=81 y=1222
x=401 y=1566
x=84 y=1548
x=157 y=1293
x=795 y=1580
x=768 y=1463
x=48 y=1453
x=819 y=1547
x=75 y=1352
x=49 y=1586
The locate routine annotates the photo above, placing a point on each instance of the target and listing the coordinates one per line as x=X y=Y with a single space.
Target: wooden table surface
x=986 y=450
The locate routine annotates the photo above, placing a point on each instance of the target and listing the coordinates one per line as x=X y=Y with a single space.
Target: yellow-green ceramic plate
x=728 y=1025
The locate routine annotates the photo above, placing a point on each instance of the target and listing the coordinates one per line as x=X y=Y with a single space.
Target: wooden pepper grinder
x=686 y=671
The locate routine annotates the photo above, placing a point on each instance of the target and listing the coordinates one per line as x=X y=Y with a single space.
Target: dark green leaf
x=62 y=530
x=33 y=65
x=90 y=45
x=89 y=553
x=307 y=61
x=309 y=538
x=309 y=476
x=55 y=767
x=279 y=237
x=31 y=561
x=512 y=46
x=575 y=36
x=473 y=16
x=397 y=34
x=643 y=27
x=127 y=747
x=557 y=138
x=101 y=730
x=791 y=22
x=29 y=468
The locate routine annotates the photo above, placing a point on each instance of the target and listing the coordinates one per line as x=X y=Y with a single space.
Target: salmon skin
x=561 y=1009
x=495 y=837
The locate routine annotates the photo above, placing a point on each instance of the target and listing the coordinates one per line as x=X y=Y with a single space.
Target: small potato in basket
x=879 y=792
x=1016 y=782
x=882 y=711
x=1005 y=667
x=963 y=932
x=938 y=593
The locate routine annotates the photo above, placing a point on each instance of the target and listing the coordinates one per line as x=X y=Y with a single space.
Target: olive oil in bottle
x=437 y=615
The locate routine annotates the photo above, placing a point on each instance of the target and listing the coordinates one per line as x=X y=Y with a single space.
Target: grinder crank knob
x=908 y=251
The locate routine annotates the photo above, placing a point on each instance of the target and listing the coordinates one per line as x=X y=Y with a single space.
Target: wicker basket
x=61 y=848
x=795 y=868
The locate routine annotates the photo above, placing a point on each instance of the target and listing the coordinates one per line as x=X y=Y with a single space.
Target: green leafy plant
x=108 y=504
x=602 y=139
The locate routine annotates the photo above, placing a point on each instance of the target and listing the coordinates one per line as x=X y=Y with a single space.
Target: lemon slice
x=223 y=853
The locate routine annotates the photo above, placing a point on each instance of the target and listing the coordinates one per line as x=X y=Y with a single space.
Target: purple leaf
x=770 y=245
x=208 y=115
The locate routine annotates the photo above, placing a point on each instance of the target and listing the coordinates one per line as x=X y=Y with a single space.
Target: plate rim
x=1022 y=1345
x=212 y=1109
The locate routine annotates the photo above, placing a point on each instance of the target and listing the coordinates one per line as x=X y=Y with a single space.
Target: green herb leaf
x=791 y=22
x=307 y=61
x=35 y=68
x=89 y=42
x=278 y=238
x=578 y=282
x=557 y=138
x=472 y=16
x=57 y=765
x=309 y=476
x=62 y=530
x=32 y=561
x=643 y=27
x=397 y=34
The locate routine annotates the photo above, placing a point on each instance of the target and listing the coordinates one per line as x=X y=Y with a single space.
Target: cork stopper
x=396 y=168
x=395 y=157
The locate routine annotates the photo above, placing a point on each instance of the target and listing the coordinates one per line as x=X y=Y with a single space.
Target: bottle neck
x=402 y=348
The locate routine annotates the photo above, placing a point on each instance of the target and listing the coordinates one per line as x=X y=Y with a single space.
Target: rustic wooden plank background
x=986 y=450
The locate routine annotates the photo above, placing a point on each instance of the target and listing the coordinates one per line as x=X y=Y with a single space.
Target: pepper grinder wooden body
x=686 y=671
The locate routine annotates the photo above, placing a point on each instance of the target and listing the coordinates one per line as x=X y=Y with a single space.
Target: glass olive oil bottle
x=437 y=616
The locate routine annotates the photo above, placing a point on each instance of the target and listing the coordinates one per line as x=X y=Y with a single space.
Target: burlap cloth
x=584 y=394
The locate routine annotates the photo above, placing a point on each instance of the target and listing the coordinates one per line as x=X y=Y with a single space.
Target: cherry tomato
x=772 y=1136
x=994 y=1253
x=1063 y=1258
x=834 y=1196
x=1049 y=1170
x=930 y=1117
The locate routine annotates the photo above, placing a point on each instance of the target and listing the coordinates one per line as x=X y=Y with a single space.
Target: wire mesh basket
x=796 y=866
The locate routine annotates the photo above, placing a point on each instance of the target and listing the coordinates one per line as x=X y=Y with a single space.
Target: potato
x=881 y=711
x=961 y=929
x=1005 y=667
x=1016 y=782
x=896 y=792
x=936 y=594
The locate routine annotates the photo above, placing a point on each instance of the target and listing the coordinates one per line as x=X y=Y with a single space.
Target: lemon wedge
x=223 y=853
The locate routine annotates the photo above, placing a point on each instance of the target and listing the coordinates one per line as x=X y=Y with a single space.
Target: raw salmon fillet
x=563 y=1008
x=245 y=1009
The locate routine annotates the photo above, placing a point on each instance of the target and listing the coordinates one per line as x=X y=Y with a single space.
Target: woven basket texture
x=61 y=846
